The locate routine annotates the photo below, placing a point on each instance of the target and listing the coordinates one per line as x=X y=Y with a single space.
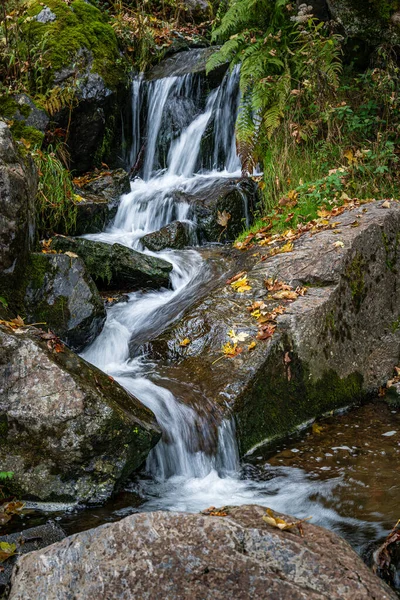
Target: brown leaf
x=223 y=218
x=280 y=523
x=236 y=277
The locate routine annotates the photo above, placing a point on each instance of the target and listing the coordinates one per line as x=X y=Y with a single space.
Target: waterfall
x=194 y=446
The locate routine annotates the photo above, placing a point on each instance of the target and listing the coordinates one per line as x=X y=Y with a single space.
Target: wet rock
x=182 y=63
x=332 y=347
x=370 y=23
x=18 y=186
x=61 y=294
x=175 y=235
x=28 y=540
x=30 y=114
x=99 y=200
x=185 y=556
x=116 y=266
x=198 y=10
x=236 y=196
x=68 y=431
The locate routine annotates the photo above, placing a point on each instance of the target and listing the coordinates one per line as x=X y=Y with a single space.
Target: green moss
x=355 y=275
x=21 y=131
x=391 y=250
x=8 y=106
x=78 y=25
x=395 y=325
x=3 y=428
x=281 y=399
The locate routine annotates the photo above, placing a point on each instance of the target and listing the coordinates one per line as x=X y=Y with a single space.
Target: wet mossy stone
x=116 y=266
x=62 y=295
x=77 y=26
x=73 y=433
x=175 y=235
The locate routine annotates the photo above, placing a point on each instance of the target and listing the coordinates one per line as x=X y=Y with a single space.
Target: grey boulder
x=178 y=556
x=116 y=266
x=62 y=296
x=69 y=432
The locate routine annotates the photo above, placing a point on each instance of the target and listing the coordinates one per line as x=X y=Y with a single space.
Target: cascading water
x=184 y=453
x=196 y=463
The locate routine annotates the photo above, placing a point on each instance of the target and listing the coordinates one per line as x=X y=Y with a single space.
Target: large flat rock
x=332 y=346
x=178 y=556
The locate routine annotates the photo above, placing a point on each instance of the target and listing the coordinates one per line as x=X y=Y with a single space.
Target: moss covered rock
x=70 y=433
x=333 y=346
x=18 y=187
x=62 y=295
x=116 y=266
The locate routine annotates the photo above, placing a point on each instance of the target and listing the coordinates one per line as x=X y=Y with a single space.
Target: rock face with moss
x=98 y=201
x=84 y=76
x=332 y=347
x=236 y=196
x=116 y=266
x=178 y=555
x=18 y=185
x=61 y=294
x=67 y=430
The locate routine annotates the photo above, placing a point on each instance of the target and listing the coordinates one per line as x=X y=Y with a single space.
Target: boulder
x=98 y=201
x=332 y=347
x=180 y=556
x=85 y=77
x=18 y=186
x=61 y=294
x=198 y=10
x=69 y=432
x=236 y=196
x=34 y=538
x=183 y=63
x=116 y=266
x=373 y=23
x=175 y=235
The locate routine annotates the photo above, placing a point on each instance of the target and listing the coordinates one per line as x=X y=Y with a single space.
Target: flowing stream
x=196 y=464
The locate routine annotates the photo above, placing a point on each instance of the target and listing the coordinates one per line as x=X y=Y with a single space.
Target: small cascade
x=194 y=445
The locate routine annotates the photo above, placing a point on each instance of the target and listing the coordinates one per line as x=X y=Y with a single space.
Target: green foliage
x=55 y=201
x=4 y=475
x=285 y=65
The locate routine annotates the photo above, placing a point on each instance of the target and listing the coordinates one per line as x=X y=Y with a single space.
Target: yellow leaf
x=288 y=247
x=71 y=254
x=385 y=204
x=251 y=345
x=281 y=524
x=184 y=343
x=237 y=337
x=239 y=282
x=317 y=428
x=338 y=244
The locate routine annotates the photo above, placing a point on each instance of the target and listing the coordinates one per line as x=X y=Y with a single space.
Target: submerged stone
x=69 y=432
x=62 y=295
x=201 y=557
x=116 y=266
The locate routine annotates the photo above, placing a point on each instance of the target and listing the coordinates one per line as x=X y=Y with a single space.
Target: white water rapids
x=180 y=474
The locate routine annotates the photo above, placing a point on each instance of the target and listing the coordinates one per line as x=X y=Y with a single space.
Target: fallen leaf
x=385 y=204
x=184 y=343
x=231 y=350
x=71 y=254
x=265 y=332
x=281 y=523
x=7 y=551
x=238 y=337
x=223 y=218
x=287 y=247
x=236 y=277
x=285 y=295
x=338 y=244
x=241 y=285
x=317 y=428
x=252 y=345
